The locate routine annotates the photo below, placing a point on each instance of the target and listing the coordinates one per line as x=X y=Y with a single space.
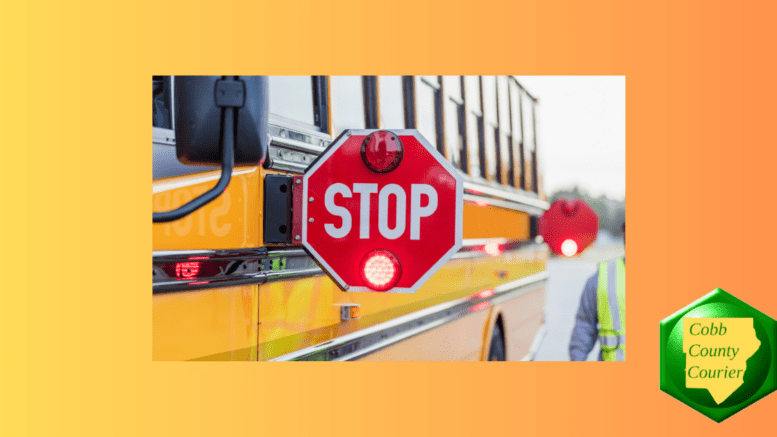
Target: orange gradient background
x=76 y=302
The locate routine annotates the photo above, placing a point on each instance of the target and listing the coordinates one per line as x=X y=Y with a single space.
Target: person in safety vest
x=602 y=313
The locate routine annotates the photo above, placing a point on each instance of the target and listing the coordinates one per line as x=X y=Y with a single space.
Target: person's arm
x=586 y=332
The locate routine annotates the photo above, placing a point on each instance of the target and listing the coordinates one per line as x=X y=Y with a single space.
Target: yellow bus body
x=281 y=312
x=270 y=320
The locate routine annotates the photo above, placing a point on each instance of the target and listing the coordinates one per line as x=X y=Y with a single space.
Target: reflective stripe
x=612 y=295
x=611 y=303
x=612 y=340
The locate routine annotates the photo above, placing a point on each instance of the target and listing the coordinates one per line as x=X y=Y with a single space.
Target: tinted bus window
x=162 y=105
x=474 y=122
x=527 y=112
x=528 y=123
x=292 y=97
x=505 y=139
x=391 y=102
x=425 y=116
x=515 y=110
x=490 y=120
x=347 y=103
x=454 y=115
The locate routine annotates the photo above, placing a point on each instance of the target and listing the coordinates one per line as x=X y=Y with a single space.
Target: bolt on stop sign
x=382 y=210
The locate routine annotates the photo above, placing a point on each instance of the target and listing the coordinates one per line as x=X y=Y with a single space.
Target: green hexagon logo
x=718 y=355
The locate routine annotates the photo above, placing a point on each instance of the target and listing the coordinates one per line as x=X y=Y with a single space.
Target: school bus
x=228 y=283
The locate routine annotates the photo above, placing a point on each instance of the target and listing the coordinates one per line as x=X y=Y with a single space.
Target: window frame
x=474 y=109
x=516 y=115
x=437 y=107
x=490 y=125
x=365 y=95
x=404 y=103
x=162 y=135
x=320 y=97
x=504 y=140
x=461 y=121
x=370 y=100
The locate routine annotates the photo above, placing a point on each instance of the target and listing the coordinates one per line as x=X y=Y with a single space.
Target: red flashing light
x=482 y=203
x=380 y=270
x=569 y=247
x=482 y=294
x=479 y=307
x=493 y=248
x=187 y=270
x=382 y=151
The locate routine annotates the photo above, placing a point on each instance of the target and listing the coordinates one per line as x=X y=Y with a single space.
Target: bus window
x=475 y=148
x=517 y=148
x=391 y=102
x=162 y=108
x=490 y=122
x=527 y=110
x=347 y=103
x=505 y=138
x=425 y=92
x=292 y=97
x=455 y=131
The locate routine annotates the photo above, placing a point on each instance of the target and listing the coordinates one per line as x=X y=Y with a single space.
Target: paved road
x=567 y=276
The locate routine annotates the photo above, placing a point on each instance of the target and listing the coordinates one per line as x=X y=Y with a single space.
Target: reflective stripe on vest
x=611 y=303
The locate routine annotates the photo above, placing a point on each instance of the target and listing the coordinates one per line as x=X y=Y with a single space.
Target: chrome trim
x=296 y=145
x=501 y=193
x=279 y=164
x=369 y=340
x=471 y=242
x=235 y=267
x=164 y=136
x=504 y=204
x=297 y=126
x=298 y=264
x=473 y=248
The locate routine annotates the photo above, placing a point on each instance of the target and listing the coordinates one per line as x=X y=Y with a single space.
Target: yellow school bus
x=229 y=283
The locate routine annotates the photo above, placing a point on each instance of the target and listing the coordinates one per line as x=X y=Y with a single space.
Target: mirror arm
x=228 y=163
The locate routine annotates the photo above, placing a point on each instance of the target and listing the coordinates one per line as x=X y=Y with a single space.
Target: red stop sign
x=382 y=210
x=569 y=226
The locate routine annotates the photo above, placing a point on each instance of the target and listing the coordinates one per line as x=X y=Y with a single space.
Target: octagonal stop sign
x=569 y=226
x=382 y=210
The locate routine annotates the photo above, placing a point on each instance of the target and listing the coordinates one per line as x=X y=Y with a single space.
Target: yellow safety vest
x=611 y=303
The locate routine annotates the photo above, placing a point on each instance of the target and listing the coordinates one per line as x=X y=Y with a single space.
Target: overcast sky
x=581 y=132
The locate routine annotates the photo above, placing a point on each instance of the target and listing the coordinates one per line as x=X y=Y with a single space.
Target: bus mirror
x=198 y=119
x=218 y=120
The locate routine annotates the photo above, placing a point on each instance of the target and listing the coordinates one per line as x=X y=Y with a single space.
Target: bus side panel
x=300 y=313
x=231 y=221
x=214 y=324
x=492 y=222
x=522 y=318
x=460 y=340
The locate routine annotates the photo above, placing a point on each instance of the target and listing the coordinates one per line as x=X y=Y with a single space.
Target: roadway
x=566 y=278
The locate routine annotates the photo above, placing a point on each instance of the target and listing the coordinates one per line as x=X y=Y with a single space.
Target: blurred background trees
x=611 y=212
